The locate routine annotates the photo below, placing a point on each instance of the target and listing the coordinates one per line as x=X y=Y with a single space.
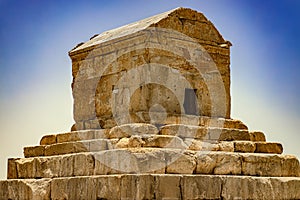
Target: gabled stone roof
x=173 y=19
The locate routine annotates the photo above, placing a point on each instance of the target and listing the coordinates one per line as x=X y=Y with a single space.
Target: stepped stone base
x=142 y=161
x=153 y=186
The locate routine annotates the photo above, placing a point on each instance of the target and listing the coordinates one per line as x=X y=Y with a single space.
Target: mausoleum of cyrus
x=152 y=121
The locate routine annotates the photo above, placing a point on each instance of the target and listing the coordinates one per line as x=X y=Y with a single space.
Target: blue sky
x=35 y=36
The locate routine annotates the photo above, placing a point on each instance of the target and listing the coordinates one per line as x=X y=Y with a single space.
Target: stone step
x=153 y=186
x=180 y=130
x=211 y=133
x=154 y=160
x=160 y=118
x=159 y=141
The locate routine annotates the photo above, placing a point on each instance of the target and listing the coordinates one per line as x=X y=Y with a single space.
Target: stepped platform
x=173 y=161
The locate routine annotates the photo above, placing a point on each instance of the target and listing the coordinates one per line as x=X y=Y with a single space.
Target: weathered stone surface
x=164 y=141
x=234 y=134
x=226 y=146
x=110 y=50
x=260 y=188
x=137 y=187
x=269 y=165
x=97 y=145
x=268 y=147
x=48 y=139
x=25 y=189
x=75 y=188
x=201 y=187
x=26 y=167
x=218 y=163
x=34 y=151
x=84 y=164
x=222 y=123
x=12 y=172
x=244 y=146
x=153 y=187
x=198 y=145
x=127 y=130
x=75 y=136
x=66 y=148
x=167 y=187
x=257 y=136
x=180 y=162
x=187 y=131
x=130 y=161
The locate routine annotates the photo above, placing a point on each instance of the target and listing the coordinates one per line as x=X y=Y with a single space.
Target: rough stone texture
x=34 y=151
x=153 y=187
x=260 y=188
x=48 y=139
x=244 y=146
x=179 y=162
x=25 y=189
x=185 y=131
x=257 y=136
x=267 y=147
x=127 y=130
x=218 y=163
x=111 y=51
x=270 y=165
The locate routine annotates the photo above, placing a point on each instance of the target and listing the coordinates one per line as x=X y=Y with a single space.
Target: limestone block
x=257 y=136
x=122 y=143
x=123 y=162
x=84 y=164
x=137 y=187
x=66 y=166
x=268 y=147
x=135 y=141
x=150 y=160
x=245 y=187
x=26 y=167
x=269 y=165
x=75 y=136
x=222 y=163
x=97 y=145
x=244 y=146
x=290 y=166
x=108 y=187
x=187 y=131
x=66 y=148
x=73 y=188
x=12 y=172
x=101 y=133
x=130 y=161
x=222 y=123
x=164 y=141
x=167 y=186
x=48 y=139
x=180 y=162
x=25 y=189
x=226 y=146
x=234 y=124
x=49 y=167
x=234 y=134
x=201 y=187
x=127 y=130
x=198 y=145
x=34 y=151
x=111 y=143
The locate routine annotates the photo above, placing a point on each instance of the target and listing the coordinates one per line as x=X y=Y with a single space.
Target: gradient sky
x=35 y=36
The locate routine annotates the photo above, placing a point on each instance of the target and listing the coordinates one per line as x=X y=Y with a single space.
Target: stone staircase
x=144 y=161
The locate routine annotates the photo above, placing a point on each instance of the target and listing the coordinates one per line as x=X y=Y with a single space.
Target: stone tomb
x=152 y=113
